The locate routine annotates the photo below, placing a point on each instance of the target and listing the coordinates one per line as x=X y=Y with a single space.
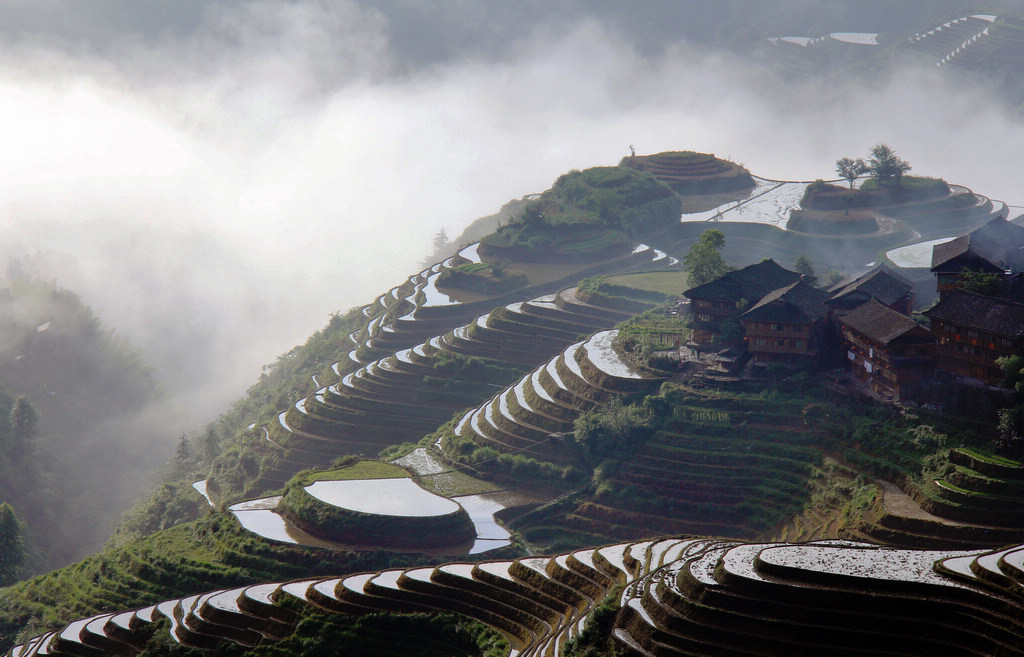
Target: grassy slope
x=213 y=551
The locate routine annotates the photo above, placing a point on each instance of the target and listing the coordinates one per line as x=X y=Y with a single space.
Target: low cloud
x=216 y=193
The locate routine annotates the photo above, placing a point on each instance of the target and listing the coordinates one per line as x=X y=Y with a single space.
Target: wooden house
x=973 y=330
x=887 y=349
x=787 y=325
x=881 y=284
x=717 y=305
x=994 y=248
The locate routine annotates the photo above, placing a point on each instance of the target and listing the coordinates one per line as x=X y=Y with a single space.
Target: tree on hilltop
x=849 y=169
x=703 y=263
x=885 y=166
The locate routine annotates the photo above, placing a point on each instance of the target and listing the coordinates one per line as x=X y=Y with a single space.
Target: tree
x=1010 y=431
x=24 y=423
x=804 y=265
x=703 y=263
x=849 y=169
x=612 y=429
x=832 y=276
x=988 y=283
x=211 y=445
x=12 y=545
x=885 y=166
x=440 y=241
x=532 y=215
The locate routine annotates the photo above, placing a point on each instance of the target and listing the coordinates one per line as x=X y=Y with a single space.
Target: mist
x=216 y=181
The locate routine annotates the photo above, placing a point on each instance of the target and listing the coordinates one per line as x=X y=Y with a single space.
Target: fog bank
x=217 y=188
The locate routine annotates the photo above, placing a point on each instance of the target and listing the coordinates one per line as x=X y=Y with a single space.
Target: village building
x=716 y=306
x=994 y=248
x=787 y=325
x=973 y=330
x=881 y=284
x=886 y=349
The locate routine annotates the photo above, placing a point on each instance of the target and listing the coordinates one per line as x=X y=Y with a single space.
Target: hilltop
x=547 y=408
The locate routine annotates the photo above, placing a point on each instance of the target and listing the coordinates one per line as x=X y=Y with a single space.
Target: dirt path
x=898 y=503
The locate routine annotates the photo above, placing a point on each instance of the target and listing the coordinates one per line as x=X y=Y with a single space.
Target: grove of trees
x=883 y=165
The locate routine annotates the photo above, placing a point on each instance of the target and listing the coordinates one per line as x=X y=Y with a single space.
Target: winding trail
x=898 y=503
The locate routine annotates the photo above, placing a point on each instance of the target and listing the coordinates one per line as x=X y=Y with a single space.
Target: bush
x=820 y=195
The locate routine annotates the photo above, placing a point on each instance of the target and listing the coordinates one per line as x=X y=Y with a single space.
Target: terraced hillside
x=986 y=45
x=755 y=228
x=692 y=173
x=700 y=461
x=674 y=596
x=531 y=390
x=404 y=395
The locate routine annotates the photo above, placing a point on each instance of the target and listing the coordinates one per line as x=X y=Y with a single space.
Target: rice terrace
x=670 y=405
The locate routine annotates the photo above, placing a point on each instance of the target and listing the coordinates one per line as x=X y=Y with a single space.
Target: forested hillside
x=83 y=423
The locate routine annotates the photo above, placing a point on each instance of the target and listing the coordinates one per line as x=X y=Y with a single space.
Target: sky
x=217 y=178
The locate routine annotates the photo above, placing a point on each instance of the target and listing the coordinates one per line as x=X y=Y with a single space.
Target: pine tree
x=12 y=545
x=24 y=424
x=440 y=241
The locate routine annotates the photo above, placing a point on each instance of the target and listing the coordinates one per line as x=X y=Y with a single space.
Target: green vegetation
x=850 y=169
x=12 y=545
x=380 y=635
x=803 y=265
x=210 y=553
x=231 y=450
x=747 y=460
x=690 y=173
x=885 y=167
x=978 y=281
x=631 y=292
x=373 y=530
x=482 y=277
x=666 y=284
x=357 y=470
x=986 y=456
x=82 y=421
x=657 y=330
x=820 y=222
x=586 y=215
x=703 y=263
x=458 y=367
x=613 y=430
x=596 y=638
x=490 y=464
x=820 y=195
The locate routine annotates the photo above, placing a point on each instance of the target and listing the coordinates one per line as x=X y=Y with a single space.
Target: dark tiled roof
x=796 y=302
x=999 y=242
x=881 y=283
x=977 y=311
x=751 y=283
x=879 y=322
